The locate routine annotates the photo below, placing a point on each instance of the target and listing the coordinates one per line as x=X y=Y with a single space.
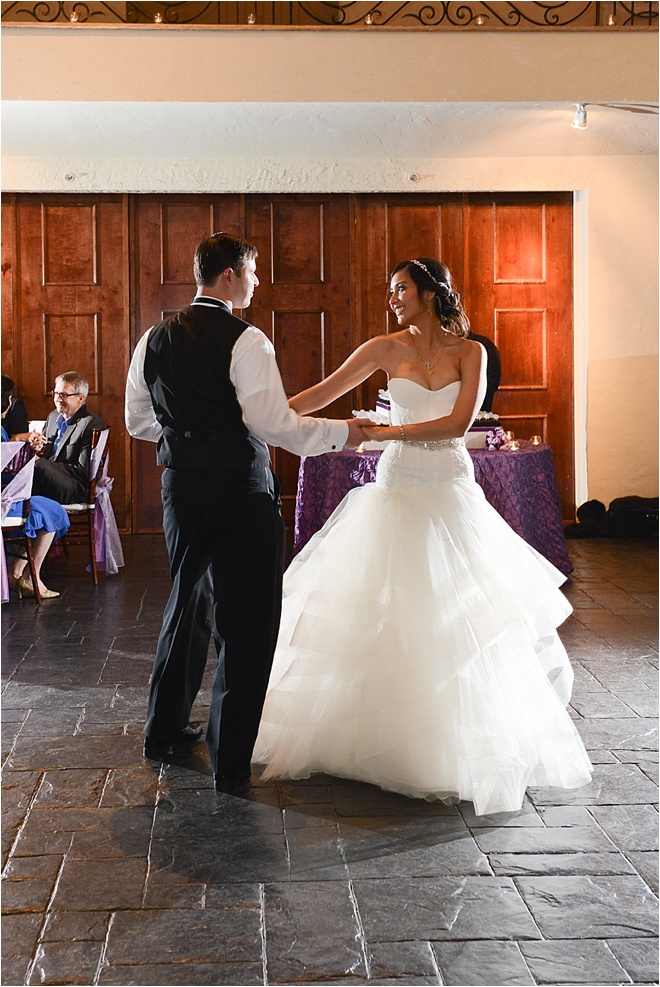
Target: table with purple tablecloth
x=521 y=486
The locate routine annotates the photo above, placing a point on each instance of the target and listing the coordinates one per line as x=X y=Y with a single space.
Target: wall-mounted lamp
x=579 y=121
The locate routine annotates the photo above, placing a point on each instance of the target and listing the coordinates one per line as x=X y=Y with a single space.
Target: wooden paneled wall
x=85 y=276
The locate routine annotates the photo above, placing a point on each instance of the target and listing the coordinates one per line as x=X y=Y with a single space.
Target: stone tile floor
x=118 y=871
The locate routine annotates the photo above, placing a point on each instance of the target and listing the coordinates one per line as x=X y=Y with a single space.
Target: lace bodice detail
x=415 y=464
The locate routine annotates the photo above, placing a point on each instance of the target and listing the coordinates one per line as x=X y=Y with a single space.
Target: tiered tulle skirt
x=419 y=652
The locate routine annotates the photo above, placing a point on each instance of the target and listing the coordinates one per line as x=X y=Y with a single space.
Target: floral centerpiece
x=496 y=438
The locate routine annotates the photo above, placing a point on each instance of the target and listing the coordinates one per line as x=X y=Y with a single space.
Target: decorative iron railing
x=368 y=15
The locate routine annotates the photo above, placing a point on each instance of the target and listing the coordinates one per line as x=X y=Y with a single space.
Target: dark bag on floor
x=592 y=521
x=634 y=517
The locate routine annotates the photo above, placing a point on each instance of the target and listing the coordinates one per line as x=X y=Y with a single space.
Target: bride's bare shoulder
x=385 y=352
x=472 y=346
x=391 y=340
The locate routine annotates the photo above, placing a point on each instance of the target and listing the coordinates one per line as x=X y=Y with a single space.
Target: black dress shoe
x=179 y=743
x=236 y=783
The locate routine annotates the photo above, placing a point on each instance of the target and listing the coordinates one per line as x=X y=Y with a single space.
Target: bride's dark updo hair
x=433 y=275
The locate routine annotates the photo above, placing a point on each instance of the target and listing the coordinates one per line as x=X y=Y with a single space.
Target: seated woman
x=46 y=521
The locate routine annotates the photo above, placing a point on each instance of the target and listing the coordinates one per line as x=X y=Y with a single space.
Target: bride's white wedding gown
x=418 y=647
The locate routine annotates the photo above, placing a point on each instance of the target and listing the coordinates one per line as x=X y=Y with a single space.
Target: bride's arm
x=469 y=400
x=360 y=365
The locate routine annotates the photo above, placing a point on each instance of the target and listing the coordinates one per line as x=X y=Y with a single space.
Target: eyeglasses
x=64 y=394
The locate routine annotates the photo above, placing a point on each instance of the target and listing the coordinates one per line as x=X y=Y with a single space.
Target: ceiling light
x=579 y=121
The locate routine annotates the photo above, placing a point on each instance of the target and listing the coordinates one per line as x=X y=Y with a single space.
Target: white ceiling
x=336 y=130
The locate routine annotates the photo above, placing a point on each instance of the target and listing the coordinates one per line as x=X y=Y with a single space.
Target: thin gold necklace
x=429 y=364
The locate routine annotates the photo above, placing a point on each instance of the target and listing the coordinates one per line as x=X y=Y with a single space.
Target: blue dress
x=45 y=514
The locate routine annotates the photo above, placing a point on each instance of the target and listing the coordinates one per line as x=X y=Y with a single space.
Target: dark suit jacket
x=493 y=369
x=73 y=456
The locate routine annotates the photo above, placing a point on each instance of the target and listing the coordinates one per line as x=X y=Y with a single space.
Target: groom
x=205 y=386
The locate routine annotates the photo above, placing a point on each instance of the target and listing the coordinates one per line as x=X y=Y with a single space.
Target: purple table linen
x=521 y=486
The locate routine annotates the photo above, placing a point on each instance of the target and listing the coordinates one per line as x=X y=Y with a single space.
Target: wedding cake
x=484 y=423
x=380 y=415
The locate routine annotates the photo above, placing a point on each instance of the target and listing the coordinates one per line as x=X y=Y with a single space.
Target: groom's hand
x=355 y=433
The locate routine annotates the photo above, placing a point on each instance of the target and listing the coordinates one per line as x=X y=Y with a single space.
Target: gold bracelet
x=403 y=434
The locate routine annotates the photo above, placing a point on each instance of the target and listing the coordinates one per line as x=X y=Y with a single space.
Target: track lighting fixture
x=579 y=121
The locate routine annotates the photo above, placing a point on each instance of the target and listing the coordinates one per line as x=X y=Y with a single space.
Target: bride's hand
x=375 y=433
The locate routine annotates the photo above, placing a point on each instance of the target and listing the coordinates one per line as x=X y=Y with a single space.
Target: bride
x=418 y=647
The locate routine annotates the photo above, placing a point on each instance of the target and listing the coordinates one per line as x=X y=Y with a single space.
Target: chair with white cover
x=13 y=528
x=93 y=522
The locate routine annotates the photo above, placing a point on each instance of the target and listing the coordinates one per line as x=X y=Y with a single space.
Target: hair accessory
x=440 y=284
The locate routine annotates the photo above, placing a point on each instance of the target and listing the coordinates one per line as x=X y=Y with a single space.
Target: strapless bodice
x=412 y=402
x=405 y=465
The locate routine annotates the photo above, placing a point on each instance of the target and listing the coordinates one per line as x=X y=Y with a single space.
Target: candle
x=536 y=440
x=513 y=446
x=510 y=436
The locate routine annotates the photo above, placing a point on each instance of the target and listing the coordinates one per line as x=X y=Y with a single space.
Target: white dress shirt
x=256 y=377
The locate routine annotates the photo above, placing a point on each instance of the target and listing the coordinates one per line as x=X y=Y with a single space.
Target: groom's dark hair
x=218 y=252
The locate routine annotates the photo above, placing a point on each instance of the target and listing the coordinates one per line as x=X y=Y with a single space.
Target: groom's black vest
x=186 y=369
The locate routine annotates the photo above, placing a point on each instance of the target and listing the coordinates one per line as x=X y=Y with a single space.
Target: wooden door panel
x=389 y=230
x=519 y=243
x=295 y=333
x=303 y=302
x=78 y=335
x=181 y=227
x=519 y=292
x=525 y=426
x=526 y=366
x=72 y=310
x=166 y=232
x=298 y=243
x=75 y=225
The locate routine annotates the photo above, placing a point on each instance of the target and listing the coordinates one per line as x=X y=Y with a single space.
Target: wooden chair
x=82 y=516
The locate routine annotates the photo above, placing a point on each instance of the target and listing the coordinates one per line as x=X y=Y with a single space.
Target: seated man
x=64 y=451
